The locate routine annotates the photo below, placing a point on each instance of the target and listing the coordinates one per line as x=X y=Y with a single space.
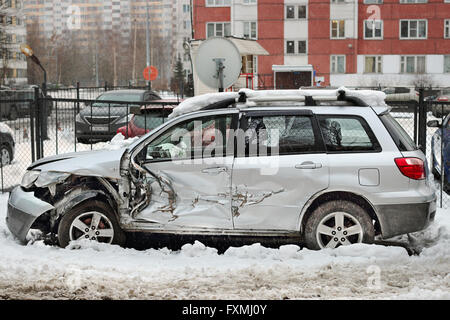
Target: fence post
x=106 y=86
x=422 y=122
x=38 y=137
x=78 y=97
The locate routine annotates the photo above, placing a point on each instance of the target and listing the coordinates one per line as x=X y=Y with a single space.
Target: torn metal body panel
x=190 y=194
x=272 y=194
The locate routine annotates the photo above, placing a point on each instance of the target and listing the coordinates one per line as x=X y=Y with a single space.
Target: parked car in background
x=7 y=144
x=101 y=120
x=401 y=94
x=440 y=110
x=14 y=106
x=147 y=118
x=440 y=150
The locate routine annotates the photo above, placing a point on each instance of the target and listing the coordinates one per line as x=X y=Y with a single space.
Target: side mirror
x=433 y=124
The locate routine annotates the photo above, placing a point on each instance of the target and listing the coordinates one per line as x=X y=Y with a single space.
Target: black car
x=100 y=121
x=7 y=144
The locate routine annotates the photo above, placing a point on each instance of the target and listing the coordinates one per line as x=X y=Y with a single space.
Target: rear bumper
x=397 y=219
x=23 y=209
x=84 y=131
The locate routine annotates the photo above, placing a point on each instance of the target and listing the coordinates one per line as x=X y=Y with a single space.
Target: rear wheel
x=338 y=223
x=92 y=220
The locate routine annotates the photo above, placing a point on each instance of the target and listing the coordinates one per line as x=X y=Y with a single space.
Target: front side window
x=204 y=137
x=337 y=29
x=413 y=29
x=278 y=135
x=347 y=134
x=337 y=64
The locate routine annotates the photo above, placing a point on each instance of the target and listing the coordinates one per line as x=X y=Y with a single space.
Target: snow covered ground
x=95 y=271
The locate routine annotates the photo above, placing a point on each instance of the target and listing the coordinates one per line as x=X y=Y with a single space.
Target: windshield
x=123 y=97
x=148 y=121
x=446 y=92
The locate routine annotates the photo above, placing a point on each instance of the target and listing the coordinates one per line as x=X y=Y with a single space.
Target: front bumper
x=23 y=209
x=397 y=219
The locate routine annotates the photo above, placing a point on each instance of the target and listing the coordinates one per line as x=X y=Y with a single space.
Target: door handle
x=215 y=170
x=308 y=165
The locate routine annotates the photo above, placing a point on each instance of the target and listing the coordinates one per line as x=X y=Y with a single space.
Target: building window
x=337 y=1
x=413 y=1
x=373 y=29
x=447 y=64
x=249 y=1
x=413 y=29
x=412 y=64
x=372 y=64
x=290 y=47
x=296 y=47
x=337 y=64
x=218 y=3
x=292 y=10
x=447 y=29
x=218 y=29
x=373 y=1
x=337 y=29
x=250 y=30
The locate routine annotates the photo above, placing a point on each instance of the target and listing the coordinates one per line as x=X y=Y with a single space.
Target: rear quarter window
x=398 y=134
x=347 y=134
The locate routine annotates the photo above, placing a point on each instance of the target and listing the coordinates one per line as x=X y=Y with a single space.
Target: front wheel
x=338 y=223
x=92 y=220
x=6 y=155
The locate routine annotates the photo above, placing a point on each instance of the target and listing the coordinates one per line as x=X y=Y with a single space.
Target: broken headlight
x=43 y=179
x=29 y=178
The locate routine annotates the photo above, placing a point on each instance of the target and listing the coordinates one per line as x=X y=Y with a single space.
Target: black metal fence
x=34 y=126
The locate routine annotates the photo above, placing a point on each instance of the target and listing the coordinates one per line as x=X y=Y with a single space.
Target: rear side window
x=398 y=134
x=279 y=135
x=347 y=134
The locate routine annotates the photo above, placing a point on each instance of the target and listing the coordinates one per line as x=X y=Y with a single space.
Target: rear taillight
x=413 y=168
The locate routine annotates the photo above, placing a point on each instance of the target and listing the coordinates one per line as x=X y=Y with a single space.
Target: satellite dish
x=218 y=63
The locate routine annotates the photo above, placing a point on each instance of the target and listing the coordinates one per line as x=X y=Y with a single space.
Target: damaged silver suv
x=327 y=167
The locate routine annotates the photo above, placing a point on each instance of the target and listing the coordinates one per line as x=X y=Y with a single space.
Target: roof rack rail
x=308 y=97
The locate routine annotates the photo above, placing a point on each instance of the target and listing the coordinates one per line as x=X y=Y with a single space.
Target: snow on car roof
x=370 y=97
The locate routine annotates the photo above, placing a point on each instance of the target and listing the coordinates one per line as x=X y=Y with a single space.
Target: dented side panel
x=190 y=193
x=270 y=192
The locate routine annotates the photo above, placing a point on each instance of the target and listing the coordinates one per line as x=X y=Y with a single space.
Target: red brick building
x=340 y=42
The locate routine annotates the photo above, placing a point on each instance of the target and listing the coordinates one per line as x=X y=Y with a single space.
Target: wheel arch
x=322 y=198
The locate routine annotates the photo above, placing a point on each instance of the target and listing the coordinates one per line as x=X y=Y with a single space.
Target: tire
x=321 y=224
x=69 y=228
x=13 y=114
x=6 y=155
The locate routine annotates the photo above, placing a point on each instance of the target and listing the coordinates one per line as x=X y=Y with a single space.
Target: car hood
x=99 y=163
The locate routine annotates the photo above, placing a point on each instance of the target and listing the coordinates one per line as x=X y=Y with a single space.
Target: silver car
x=323 y=167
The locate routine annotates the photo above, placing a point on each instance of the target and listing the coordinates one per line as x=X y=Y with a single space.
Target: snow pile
x=119 y=142
x=199 y=102
x=90 y=270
